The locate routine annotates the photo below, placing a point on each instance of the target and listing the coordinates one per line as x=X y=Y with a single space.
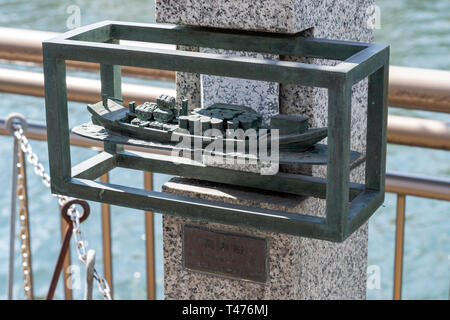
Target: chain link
x=74 y=214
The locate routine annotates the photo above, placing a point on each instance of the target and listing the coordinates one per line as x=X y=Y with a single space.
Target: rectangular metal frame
x=348 y=205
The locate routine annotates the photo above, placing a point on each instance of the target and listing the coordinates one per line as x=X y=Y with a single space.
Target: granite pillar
x=299 y=268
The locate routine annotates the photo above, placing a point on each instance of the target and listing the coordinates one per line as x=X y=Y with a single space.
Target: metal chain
x=74 y=214
x=24 y=232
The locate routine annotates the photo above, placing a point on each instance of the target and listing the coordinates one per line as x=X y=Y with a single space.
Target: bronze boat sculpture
x=165 y=123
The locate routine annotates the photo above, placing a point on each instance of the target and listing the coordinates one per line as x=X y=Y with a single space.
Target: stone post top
x=281 y=16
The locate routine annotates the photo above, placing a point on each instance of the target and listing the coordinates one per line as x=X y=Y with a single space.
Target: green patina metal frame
x=348 y=205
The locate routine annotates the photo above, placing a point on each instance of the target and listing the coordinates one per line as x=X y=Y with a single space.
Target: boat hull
x=113 y=117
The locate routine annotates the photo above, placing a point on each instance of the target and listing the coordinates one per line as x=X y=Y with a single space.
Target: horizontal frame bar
x=262 y=42
x=365 y=62
x=361 y=208
x=281 y=182
x=94 y=167
x=100 y=31
x=200 y=209
x=364 y=202
x=197 y=62
x=357 y=56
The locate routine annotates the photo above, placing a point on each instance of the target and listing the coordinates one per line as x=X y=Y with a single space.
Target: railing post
x=106 y=239
x=399 y=241
x=66 y=264
x=149 y=243
x=12 y=226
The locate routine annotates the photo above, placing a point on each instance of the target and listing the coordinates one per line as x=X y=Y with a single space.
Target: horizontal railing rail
x=419 y=89
x=401 y=130
x=78 y=89
x=26 y=46
x=419 y=132
x=38 y=131
x=418 y=186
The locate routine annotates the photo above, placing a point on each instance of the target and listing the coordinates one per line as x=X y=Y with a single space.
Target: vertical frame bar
x=111 y=86
x=149 y=243
x=57 y=122
x=58 y=134
x=111 y=79
x=376 y=129
x=106 y=239
x=338 y=163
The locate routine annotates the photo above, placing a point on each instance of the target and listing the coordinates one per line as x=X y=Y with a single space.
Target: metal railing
x=411 y=88
x=26 y=46
x=410 y=185
x=419 y=132
x=401 y=130
x=420 y=89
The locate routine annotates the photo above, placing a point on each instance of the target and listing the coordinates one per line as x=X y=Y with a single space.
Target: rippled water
x=419 y=34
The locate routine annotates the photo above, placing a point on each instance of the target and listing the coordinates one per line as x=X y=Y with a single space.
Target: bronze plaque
x=225 y=253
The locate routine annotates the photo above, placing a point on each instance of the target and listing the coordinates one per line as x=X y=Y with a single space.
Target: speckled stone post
x=299 y=268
